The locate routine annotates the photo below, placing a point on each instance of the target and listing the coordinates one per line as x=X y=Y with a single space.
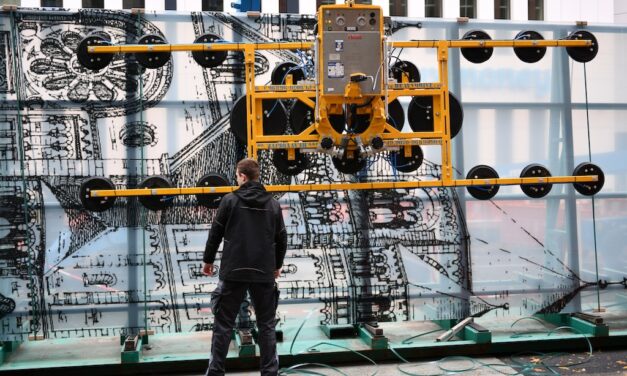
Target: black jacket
x=255 y=240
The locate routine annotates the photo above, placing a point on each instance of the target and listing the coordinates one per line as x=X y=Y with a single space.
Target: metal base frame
x=473 y=340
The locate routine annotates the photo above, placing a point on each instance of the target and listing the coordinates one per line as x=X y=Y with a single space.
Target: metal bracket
x=594 y=319
x=245 y=343
x=131 y=348
x=339 y=331
x=373 y=336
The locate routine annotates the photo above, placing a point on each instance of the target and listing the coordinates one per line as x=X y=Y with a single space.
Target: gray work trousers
x=225 y=303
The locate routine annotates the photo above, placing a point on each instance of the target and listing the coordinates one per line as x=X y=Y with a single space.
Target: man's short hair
x=249 y=167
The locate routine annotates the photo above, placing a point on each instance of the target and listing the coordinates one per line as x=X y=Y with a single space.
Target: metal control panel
x=351 y=43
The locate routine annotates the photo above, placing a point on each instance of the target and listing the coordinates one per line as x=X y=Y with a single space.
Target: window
x=130 y=4
x=536 y=10
x=93 y=4
x=288 y=6
x=502 y=10
x=468 y=8
x=433 y=8
x=170 y=4
x=398 y=8
x=365 y=2
x=212 y=5
x=52 y=3
x=324 y=2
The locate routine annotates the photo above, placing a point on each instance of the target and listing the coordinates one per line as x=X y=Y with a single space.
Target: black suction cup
x=359 y=125
x=583 y=54
x=482 y=192
x=535 y=190
x=479 y=54
x=593 y=187
x=287 y=167
x=155 y=202
x=396 y=114
x=211 y=200
x=405 y=164
x=420 y=114
x=152 y=60
x=274 y=118
x=302 y=116
x=282 y=70
x=93 y=61
x=96 y=204
x=405 y=66
x=337 y=123
x=529 y=54
x=349 y=166
x=209 y=59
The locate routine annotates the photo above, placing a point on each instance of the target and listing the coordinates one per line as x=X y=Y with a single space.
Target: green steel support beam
x=477 y=333
x=339 y=331
x=585 y=327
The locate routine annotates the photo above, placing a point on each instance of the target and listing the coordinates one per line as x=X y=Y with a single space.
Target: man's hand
x=207 y=269
x=277 y=273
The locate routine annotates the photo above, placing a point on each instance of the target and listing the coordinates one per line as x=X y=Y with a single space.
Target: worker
x=255 y=241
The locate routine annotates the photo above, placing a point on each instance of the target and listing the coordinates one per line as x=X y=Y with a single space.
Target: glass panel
x=502 y=10
x=170 y=4
x=212 y=5
x=604 y=74
x=83 y=273
x=510 y=139
x=433 y=8
x=608 y=142
x=398 y=8
x=93 y=4
x=324 y=2
x=130 y=4
x=610 y=225
x=468 y=8
x=505 y=78
x=52 y=3
x=536 y=10
x=288 y=6
x=521 y=255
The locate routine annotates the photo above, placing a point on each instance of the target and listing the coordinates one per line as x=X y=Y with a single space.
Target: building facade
x=597 y=11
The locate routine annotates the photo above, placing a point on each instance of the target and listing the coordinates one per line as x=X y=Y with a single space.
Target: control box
x=351 y=42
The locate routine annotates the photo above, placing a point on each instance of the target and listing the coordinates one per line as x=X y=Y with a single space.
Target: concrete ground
x=602 y=363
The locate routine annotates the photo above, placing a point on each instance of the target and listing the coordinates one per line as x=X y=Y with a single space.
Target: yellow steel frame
x=310 y=137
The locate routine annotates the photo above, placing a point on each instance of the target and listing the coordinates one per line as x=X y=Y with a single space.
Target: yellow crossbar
x=346 y=186
x=210 y=47
x=491 y=43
